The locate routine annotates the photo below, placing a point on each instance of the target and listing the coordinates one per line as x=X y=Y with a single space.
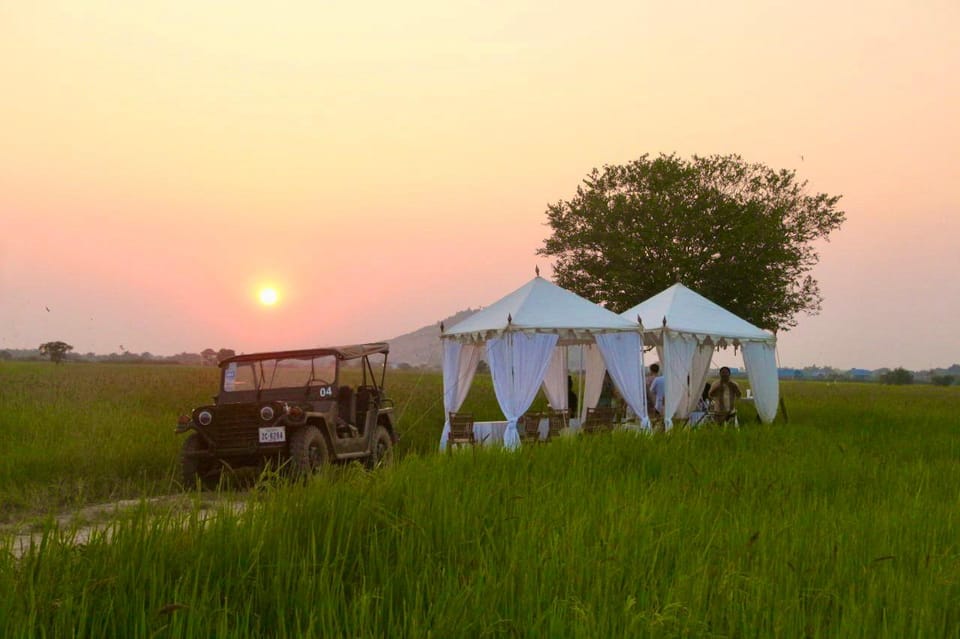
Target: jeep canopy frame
x=341 y=353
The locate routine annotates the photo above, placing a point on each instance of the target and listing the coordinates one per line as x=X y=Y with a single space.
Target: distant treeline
x=207 y=357
x=210 y=357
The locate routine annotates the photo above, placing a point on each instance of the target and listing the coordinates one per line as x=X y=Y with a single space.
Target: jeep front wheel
x=308 y=451
x=194 y=468
x=382 y=454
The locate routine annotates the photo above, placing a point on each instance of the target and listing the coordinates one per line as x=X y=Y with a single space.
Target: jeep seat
x=363 y=405
x=346 y=404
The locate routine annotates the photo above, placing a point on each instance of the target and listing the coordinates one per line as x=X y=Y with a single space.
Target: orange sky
x=387 y=164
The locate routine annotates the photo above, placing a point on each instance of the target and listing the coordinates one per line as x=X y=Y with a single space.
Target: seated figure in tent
x=725 y=394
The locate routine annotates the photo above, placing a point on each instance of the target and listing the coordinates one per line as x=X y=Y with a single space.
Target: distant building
x=860 y=374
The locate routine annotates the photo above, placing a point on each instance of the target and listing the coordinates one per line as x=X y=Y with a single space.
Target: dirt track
x=80 y=525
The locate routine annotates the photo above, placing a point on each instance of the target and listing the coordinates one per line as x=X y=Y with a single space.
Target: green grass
x=72 y=435
x=844 y=522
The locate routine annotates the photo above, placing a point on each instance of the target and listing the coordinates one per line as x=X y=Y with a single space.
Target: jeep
x=294 y=409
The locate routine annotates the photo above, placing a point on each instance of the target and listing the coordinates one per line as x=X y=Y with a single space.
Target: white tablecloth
x=490 y=433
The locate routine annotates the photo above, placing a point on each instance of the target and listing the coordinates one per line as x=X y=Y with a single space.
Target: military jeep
x=295 y=409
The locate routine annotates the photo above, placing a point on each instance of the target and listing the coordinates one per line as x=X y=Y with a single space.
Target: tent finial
x=639 y=321
x=509 y=318
x=536 y=270
x=441 y=327
x=664 y=321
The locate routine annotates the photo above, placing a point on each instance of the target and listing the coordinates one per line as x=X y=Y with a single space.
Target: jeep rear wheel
x=194 y=468
x=382 y=454
x=308 y=451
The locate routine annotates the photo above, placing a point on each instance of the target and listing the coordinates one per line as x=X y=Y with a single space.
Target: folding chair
x=599 y=420
x=559 y=419
x=530 y=428
x=461 y=430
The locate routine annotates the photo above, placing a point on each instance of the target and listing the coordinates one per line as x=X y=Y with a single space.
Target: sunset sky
x=385 y=164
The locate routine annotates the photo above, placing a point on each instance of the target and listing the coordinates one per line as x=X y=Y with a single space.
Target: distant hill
x=422 y=346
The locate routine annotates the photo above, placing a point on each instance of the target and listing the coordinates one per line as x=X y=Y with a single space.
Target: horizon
x=166 y=166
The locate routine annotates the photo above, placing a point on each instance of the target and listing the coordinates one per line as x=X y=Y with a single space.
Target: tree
x=209 y=356
x=897 y=376
x=6 y=355
x=224 y=353
x=55 y=350
x=941 y=380
x=740 y=234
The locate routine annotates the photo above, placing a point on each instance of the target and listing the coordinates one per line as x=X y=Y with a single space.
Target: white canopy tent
x=525 y=335
x=686 y=328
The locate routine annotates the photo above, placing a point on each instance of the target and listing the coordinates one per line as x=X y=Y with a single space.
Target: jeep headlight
x=266 y=413
x=205 y=418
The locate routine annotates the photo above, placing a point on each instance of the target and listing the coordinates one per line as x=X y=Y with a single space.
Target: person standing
x=606 y=392
x=725 y=394
x=656 y=392
x=652 y=375
x=571 y=397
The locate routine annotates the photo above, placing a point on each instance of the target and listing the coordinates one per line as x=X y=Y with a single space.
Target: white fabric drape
x=623 y=355
x=761 y=361
x=459 y=365
x=595 y=369
x=698 y=375
x=555 y=382
x=678 y=350
x=518 y=363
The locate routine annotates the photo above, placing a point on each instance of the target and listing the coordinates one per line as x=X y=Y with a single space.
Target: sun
x=268 y=296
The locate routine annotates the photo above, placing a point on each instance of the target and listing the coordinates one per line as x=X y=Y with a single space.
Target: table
x=491 y=433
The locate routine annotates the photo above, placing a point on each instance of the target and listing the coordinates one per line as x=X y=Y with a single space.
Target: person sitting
x=725 y=394
x=704 y=402
x=702 y=407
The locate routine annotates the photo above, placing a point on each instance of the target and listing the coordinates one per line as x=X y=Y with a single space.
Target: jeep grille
x=235 y=426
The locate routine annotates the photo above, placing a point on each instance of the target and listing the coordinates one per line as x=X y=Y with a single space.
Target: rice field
x=844 y=522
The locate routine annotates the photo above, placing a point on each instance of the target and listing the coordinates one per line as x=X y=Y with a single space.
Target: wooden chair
x=599 y=420
x=461 y=430
x=529 y=428
x=559 y=419
x=720 y=419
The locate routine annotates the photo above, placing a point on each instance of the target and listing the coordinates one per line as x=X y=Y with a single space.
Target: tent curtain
x=518 y=364
x=698 y=375
x=555 y=383
x=678 y=350
x=595 y=369
x=761 y=361
x=623 y=355
x=459 y=366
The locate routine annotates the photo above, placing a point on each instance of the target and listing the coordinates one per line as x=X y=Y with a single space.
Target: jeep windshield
x=279 y=374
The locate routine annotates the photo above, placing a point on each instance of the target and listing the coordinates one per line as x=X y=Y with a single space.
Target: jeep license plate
x=273 y=435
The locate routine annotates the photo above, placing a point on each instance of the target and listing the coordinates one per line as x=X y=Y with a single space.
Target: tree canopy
x=741 y=234
x=55 y=350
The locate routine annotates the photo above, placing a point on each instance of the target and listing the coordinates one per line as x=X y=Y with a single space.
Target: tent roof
x=689 y=312
x=543 y=306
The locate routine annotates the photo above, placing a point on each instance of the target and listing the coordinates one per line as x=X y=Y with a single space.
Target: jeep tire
x=196 y=469
x=382 y=453
x=308 y=451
